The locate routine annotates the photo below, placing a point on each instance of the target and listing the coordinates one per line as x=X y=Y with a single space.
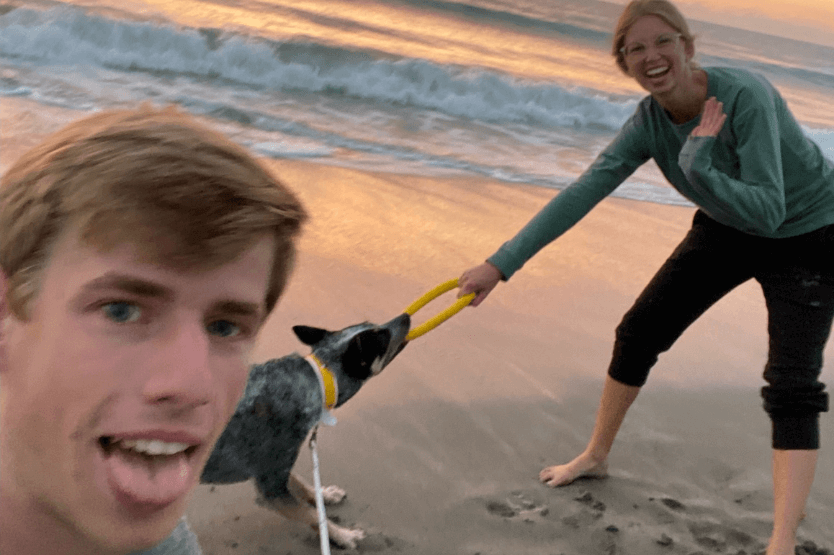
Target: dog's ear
x=365 y=348
x=310 y=335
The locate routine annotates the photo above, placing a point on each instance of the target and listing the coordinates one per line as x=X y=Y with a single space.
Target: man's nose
x=180 y=372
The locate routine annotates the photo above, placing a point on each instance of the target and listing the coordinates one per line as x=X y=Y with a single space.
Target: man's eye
x=122 y=312
x=223 y=328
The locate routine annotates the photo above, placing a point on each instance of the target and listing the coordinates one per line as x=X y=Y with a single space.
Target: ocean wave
x=71 y=36
x=11 y=87
x=594 y=29
x=824 y=139
x=820 y=76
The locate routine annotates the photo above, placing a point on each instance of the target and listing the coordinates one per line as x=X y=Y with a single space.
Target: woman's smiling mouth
x=657 y=72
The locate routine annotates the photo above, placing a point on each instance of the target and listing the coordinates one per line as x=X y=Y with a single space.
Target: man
x=141 y=253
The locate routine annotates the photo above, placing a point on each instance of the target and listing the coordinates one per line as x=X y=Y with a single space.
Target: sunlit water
x=523 y=91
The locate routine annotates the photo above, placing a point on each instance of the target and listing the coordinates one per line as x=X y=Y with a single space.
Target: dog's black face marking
x=364 y=349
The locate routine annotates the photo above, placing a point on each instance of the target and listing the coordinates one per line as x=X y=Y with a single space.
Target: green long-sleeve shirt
x=760 y=175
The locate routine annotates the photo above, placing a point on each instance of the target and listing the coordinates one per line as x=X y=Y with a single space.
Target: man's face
x=119 y=384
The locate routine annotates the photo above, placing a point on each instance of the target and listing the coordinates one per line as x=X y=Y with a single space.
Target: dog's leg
x=333 y=495
x=304 y=512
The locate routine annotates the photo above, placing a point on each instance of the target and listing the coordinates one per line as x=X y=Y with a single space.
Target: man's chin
x=139 y=535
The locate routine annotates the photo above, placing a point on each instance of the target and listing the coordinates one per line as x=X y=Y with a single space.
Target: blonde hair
x=186 y=195
x=636 y=9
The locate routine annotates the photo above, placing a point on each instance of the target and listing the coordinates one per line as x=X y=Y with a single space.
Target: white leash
x=324 y=536
x=330 y=393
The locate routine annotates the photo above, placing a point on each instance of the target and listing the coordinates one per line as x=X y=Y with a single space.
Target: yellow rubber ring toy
x=443 y=316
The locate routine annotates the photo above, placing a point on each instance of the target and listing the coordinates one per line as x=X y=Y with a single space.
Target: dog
x=284 y=399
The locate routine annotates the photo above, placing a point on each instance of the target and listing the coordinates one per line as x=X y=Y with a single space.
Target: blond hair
x=186 y=195
x=636 y=9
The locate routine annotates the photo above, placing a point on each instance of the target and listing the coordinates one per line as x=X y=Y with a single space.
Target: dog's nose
x=401 y=320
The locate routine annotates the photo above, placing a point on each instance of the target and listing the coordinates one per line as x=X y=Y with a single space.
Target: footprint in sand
x=713 y=537
x=592 y=511
x=517 y=504
x=810 y=548
x=380 y=543
x=588 y=499
x=673 y=504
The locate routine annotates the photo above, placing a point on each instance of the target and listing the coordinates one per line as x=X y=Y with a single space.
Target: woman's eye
x=636 y=48
x=122 y=312
x=662 y=41
x=223 y=328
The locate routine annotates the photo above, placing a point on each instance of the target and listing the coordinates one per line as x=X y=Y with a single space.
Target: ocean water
x=518 y=90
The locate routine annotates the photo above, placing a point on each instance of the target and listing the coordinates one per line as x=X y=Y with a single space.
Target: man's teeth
x=153 y=446
x=656 y=71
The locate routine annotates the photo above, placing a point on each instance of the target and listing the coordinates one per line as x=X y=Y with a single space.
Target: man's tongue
x=158 y=480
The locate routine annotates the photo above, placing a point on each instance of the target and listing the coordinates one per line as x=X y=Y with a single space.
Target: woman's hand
x=712 y=119
x=479 y=280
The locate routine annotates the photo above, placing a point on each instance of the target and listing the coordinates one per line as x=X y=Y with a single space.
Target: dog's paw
x=333 y=495
x=344 y=537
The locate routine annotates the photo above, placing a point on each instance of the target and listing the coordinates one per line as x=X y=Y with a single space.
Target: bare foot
x=333 y=495
x=344 y=537
x=781 y=544
x=580 y=467
x=780 y=550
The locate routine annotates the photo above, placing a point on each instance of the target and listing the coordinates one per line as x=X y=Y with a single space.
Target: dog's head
x=356 y=353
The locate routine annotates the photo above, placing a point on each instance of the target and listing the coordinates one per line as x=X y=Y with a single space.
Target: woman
x=725 y=139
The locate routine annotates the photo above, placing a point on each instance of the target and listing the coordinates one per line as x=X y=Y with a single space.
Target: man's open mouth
x=149 y=472
x=146 y=447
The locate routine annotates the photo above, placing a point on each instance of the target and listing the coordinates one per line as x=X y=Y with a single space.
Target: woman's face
x=657 y=55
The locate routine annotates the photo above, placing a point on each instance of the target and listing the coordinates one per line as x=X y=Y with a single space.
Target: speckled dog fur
x=282 y=403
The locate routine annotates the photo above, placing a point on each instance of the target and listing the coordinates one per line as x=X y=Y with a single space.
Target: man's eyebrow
x=239 y=308
x=129 y=284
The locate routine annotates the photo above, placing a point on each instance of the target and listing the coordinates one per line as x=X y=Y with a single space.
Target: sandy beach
x=440 y=454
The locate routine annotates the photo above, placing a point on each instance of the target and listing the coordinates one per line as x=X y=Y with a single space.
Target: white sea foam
x=70 y=36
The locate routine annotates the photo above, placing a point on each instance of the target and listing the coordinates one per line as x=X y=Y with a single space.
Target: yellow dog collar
x=329 y=387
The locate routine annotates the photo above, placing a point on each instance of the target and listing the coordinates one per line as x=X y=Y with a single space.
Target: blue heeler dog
x=284 y=400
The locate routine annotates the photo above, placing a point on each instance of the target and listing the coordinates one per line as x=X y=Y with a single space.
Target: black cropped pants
x=797 y=278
